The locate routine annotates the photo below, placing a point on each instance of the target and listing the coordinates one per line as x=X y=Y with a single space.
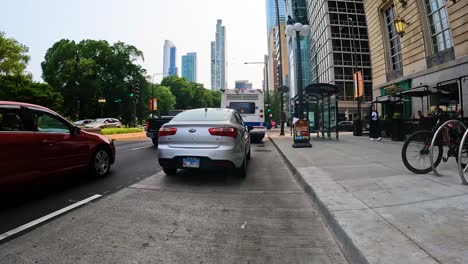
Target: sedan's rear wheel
x=101 y=162
x=170 y=171
x=242 y=171
x=155 y=141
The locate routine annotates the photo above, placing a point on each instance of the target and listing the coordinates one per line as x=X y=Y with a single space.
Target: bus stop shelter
x=321 y=97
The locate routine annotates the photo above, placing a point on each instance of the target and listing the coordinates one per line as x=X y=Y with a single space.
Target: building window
x=439 y=24
x=394 y=40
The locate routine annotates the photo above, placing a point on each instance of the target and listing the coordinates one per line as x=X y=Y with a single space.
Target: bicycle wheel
x=415 y=152
x=462 y=154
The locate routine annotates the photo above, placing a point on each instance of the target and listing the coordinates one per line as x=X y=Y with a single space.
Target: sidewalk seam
x=346 y=244
x=407 y=237
x=396 y=228
x=430 y=200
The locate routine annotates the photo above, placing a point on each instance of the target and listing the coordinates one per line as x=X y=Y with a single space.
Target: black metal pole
x=299 y=76
x=355 y=71
x=280 y=68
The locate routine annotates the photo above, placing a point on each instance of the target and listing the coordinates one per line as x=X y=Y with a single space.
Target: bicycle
x=417 y=147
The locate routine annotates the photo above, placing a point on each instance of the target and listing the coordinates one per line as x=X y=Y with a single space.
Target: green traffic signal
x=132 y=94
x=268 y=110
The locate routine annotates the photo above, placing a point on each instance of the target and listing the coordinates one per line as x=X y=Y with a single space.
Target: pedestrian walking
x=374 y=129
x=273 y=124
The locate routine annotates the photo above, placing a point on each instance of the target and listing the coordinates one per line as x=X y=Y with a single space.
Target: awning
x=421 y=91
x=388 y=99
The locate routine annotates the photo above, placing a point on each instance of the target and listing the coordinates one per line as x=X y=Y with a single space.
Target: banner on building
x=358 y=84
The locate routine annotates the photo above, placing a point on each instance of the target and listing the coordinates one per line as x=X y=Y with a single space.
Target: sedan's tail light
x=147 y=125
x=167 y=131
x=223 y=131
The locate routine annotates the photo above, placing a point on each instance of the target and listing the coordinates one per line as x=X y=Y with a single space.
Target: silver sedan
x=204 y=138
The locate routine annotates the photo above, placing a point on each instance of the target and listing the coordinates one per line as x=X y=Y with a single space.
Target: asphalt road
x=192 y=217
x=135 y=160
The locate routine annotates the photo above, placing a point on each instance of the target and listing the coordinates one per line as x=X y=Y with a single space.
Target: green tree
x=191 y=95
x=182 y=90
x=216 y=95
x=275 y=106
x=166 y=100
x=13 y=56
x=21 y=88
x=92 y=69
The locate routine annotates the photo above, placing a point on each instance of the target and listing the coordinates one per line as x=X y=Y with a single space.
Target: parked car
x=205 y=139
x=83 y=122
x=104 y=123
x=345 y=126
x=36 y=143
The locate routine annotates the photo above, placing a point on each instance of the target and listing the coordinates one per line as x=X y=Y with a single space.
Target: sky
x=190 y=24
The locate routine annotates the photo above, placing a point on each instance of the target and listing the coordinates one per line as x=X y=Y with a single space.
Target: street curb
x=346 y=244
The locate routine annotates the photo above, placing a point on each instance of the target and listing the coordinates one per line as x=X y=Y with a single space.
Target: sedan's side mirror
x=250 y=128
x=76 y=130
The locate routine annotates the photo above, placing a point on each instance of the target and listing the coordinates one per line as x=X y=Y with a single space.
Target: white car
x=104 y=123
x=205 y=138
x=83 y=122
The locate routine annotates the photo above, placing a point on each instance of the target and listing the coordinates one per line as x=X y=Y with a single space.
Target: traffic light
x=268 y=110
x=132 y=91
x=137 y=90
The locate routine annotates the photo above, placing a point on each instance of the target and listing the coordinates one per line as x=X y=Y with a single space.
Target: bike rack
x=431 y=148
x=461 y=171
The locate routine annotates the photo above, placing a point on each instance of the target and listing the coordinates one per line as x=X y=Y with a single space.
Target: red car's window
x=10 y=120
x=49 y=124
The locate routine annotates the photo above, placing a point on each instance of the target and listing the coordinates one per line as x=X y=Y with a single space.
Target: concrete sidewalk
x=377 y=210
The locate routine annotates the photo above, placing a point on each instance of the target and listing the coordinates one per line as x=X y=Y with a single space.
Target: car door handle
x=49 y=142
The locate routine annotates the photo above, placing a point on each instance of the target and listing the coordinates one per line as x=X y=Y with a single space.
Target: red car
x=36 y=142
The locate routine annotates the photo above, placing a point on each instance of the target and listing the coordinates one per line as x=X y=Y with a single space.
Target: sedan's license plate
x=190 y=162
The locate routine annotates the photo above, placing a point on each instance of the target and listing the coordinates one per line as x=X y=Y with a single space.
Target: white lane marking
x=141 y=147
x=243 y=226
x=47 y=217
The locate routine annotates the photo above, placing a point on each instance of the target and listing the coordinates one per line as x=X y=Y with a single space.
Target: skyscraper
x=273 y=43
x=189 y=66
x=271 y=13
x=242 y=84
x=218 y=58
x=338 y=45
x=170 y=55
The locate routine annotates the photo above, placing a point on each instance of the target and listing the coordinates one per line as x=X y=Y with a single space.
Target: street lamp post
x=299 y=30
x=301 y=127
x=102 y=102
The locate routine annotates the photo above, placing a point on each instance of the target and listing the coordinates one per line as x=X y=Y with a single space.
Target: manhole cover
x=262 y=150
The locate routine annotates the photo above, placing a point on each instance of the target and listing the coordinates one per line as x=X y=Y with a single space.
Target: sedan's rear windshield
x=203 y=115
x=243 y=107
